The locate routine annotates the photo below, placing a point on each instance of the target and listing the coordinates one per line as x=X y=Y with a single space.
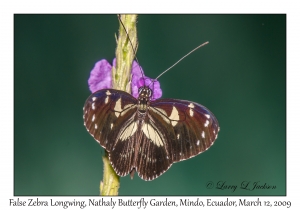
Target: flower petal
x=100 y=76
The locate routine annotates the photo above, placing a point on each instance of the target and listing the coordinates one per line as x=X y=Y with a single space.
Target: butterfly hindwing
x=122 y=156
x=153 y=155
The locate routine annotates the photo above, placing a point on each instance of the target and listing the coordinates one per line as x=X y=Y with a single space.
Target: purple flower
x=101 y=78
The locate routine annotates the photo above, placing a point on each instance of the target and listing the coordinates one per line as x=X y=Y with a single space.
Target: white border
x=8 y=8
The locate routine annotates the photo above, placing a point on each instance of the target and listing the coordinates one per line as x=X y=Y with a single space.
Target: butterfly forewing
x=190 y=127
x=107 y=113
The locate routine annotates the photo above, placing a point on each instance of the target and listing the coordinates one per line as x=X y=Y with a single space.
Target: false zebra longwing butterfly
x=148 y=136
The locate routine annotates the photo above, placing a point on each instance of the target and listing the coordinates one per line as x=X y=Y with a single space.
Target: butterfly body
x=148 y=136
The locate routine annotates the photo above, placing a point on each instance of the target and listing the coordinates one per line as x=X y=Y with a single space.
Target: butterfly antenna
x=205 y=43
x=134 y=51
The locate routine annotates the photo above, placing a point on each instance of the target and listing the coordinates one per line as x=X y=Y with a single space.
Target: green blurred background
x=240 y=76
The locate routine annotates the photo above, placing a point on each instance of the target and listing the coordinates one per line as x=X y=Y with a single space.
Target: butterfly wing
x=173 y=130
x=109 y=116
x=189 y=128
x=153 y=157
x=170 y=131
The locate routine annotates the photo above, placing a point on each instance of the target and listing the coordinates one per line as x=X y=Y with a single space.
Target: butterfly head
x=145 y=94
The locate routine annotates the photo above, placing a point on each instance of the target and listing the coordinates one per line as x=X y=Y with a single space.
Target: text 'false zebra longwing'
x=148 y=136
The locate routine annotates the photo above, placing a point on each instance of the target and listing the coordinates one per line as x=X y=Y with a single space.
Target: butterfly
x=147 y=136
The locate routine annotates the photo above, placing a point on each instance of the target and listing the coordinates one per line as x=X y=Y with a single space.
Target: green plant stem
x=124 y=53
x=121 y=81
x=111 y=181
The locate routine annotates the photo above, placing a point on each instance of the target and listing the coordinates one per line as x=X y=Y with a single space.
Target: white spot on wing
x=93 y=105
x=206 y=123
x=178 y=136
x=203 y=134
x=191 y=112
x=108 y=93
x=118 y=107
x=191 y=105
x=207 y=116
x=198 y=142
x=111 y=125
x=106 y=99
x=174 y=116
x=96 y=126
x=93 y=118
x=94 y=98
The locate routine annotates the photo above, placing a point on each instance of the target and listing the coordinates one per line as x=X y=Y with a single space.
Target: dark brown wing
x=153 y=157
x=190 y=128
x=141 y=146
x=173 y=130
x=109 y=118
